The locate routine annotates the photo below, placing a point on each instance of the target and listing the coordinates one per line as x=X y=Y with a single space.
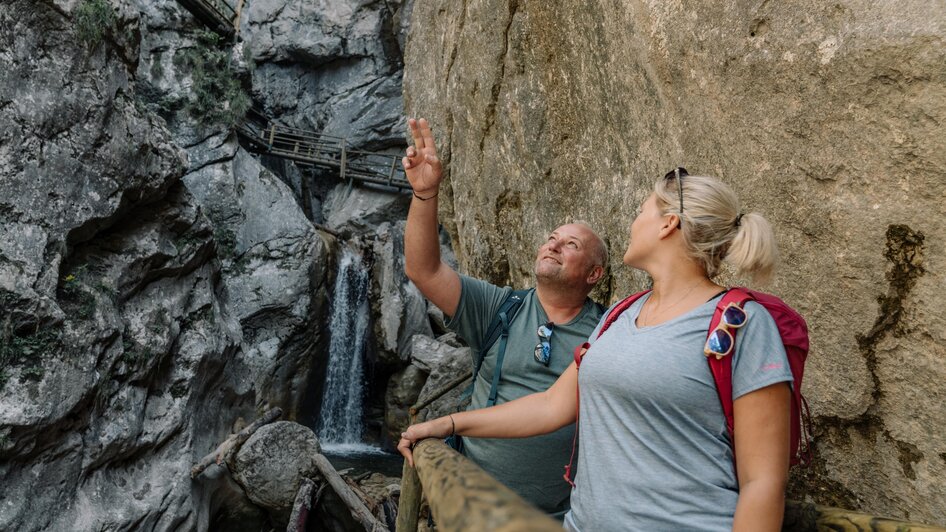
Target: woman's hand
x=421 y=165
x=437 y=428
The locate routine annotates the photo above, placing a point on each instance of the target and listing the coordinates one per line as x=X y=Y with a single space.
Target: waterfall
x=340 y=421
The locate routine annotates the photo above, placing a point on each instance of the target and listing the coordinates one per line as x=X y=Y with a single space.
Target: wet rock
x=360 y=211
x=402 y=391
x=399 y=308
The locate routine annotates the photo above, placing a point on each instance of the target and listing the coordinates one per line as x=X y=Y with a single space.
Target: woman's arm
x=762 y=447
x=534 y=414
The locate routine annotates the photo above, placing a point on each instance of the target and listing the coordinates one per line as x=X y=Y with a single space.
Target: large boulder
x=826 y=118
x=271 y=464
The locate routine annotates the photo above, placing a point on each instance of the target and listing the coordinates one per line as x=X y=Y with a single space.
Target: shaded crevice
x=497 y=86
x=908 y=455
x=904 y=250
x=456 y=46
x=905 y=253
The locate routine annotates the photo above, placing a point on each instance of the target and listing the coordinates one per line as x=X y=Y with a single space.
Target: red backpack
x=794 y=332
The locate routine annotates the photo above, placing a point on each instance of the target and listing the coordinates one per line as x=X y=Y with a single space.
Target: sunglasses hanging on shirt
x=543 y=350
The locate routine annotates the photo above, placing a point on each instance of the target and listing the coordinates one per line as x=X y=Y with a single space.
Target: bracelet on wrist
x=453 y=425
x=427 y=198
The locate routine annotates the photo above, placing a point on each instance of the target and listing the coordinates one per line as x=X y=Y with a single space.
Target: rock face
x=158 y=286
x=330 y=65
x=825 y=117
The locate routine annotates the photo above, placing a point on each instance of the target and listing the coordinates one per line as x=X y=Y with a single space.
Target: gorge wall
x=826 y=117
x=160 y=286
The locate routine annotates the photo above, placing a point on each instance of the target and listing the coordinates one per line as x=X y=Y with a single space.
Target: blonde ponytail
x=753 y=252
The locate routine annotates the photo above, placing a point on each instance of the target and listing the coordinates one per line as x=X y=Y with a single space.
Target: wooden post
x=463 y=497
x=393 y=167
x=272 y=135
x=344 y=159
x=236 y=19
x=408 y=508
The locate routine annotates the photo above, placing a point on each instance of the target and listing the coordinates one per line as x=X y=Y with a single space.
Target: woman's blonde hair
x=715 y=230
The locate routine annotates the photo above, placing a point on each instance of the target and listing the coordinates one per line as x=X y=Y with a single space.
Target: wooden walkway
x=313 y=149
x=305 y=148
x=219 y=15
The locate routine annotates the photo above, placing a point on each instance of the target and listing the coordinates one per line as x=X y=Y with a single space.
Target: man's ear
x=671 y=222
x=595 y=275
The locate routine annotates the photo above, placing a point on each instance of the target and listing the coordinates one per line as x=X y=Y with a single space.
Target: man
x=567 y=266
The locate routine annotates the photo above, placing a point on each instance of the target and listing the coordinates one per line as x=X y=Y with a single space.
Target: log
x=226 y=450
x=806 y=516
x=357 y=506
x=301 y=506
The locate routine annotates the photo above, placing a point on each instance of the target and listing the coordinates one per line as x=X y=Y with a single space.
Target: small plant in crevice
x=93 y=20
x=179 y=389
x=217 y=94
x=28 y=351
x=226 y=242
x=77 y=297
x=134 y=353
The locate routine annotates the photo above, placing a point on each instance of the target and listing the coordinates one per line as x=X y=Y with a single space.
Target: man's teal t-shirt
x=532 y=467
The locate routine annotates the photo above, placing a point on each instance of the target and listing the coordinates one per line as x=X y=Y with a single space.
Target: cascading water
x=340 y=422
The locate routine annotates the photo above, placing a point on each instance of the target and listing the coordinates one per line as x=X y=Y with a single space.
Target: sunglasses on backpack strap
x=720 y=342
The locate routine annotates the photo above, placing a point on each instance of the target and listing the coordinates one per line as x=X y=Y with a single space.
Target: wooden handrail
x=463 y=497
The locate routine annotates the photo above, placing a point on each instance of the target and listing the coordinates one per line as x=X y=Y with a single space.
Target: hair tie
x=738 y=219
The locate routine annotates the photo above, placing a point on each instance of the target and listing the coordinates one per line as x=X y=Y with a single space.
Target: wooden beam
x=464 y=498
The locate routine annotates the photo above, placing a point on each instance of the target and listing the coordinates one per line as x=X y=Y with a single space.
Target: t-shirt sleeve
x=760 y=358
x=479 y=302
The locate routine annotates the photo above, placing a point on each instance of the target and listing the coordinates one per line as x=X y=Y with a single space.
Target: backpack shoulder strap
x=498 y=327
x=722 y=367
x=608 y=320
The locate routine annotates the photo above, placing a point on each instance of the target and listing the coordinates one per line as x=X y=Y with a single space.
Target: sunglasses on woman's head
x=720 y=342
x=678 y=173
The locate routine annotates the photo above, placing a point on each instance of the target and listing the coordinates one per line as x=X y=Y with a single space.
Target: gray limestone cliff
x=160 y=286
x=826 y=117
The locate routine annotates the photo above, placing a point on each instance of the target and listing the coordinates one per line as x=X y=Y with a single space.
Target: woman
x=655 y=453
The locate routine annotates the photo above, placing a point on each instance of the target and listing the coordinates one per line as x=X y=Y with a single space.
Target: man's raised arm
x=437 y=281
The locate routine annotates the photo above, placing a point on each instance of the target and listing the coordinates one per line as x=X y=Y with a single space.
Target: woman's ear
x=671 y=223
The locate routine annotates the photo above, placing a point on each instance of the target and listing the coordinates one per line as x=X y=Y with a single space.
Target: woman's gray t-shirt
x=655 y=453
